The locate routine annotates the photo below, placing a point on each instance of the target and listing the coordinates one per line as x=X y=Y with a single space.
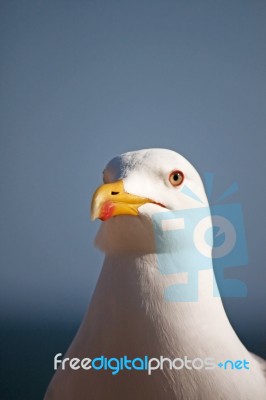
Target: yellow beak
x=111 y=199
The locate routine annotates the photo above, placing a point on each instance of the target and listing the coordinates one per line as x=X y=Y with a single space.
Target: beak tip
x=93 y=216
x=93 y=213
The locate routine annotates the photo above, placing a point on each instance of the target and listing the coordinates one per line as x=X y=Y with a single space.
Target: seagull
x=133 y=313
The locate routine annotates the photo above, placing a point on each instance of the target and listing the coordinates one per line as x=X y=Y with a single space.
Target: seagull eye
x=176 y=178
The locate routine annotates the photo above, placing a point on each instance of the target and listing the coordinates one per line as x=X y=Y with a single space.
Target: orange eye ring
x=176 y=178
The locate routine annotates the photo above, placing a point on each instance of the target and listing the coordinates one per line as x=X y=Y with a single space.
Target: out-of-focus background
x=83 y=81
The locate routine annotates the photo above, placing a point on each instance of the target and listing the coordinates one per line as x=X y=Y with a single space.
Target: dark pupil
x=176 y=177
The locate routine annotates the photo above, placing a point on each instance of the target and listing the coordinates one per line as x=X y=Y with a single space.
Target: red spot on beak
x=107 y=210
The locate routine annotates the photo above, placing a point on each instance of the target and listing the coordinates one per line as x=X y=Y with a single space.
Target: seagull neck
x=129 y=313
x=159 y=277
x=132 y=285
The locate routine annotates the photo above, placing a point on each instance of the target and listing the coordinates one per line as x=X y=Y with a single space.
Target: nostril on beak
x=114 y=193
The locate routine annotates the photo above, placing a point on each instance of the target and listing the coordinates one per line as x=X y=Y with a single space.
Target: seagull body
x=129 y=315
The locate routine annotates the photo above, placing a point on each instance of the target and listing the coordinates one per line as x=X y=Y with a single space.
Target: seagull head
x=139 y=184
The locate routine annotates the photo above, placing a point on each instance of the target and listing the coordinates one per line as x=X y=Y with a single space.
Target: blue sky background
x=83 y=81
